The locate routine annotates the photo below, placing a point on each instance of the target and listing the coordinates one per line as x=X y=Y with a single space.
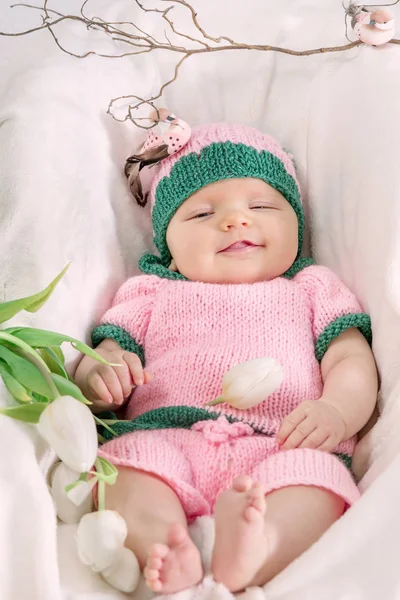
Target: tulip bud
x=124 y=573
x=68 y=427
x=99 y=537
x=68 y=510
x=249 y=383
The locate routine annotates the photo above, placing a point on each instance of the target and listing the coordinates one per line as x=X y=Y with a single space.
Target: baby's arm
x=350 y=380
x=349 y=396
x=119 y=338
x=106 y=386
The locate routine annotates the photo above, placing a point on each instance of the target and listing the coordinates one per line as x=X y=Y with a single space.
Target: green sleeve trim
x=361 y=321
x=122 y=337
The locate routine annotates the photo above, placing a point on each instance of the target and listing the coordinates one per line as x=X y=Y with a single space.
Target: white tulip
x=82 y=492
x=124 y=573
x=68 y=427
x=250 y=383
x=68 y=510
x=99 y=537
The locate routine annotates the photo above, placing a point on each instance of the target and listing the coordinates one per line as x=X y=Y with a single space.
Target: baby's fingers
x=135 y=367
x=112 y=381
x=290 y=423
x=98 y=391
x=329 y=444
x=302 y=431
x=147 y=377
x=316 y=439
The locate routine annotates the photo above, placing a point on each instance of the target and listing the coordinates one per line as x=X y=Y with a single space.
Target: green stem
x=34 y=358
x=218 y=400
x=104 y=424
x=101 y=487
x=101 y=439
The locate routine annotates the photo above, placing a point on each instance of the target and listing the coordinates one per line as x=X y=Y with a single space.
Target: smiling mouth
x=241 y=246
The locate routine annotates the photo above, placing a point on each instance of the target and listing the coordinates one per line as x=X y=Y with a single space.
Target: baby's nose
x=236 y=219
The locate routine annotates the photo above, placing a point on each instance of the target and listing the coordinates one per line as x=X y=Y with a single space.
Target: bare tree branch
x=142 y=42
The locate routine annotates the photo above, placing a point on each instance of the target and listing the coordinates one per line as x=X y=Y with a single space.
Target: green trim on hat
x=217 y=161
x=298 y=265
x=150 y=264
x=361 y=321
x=122 y=337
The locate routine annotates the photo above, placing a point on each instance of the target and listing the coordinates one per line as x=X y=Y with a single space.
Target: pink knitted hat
x=206 y=154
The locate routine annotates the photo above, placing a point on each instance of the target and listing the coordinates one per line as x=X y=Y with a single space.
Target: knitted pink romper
x=190 y=334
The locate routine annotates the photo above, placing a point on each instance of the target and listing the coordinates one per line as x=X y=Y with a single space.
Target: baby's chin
x=239 y=276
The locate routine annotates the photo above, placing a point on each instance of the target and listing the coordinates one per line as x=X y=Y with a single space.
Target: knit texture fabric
x=192 y=333
x=200 y=463
x=175 y=417
x=216 y=152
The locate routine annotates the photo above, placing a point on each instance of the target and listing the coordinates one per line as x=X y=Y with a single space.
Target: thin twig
x=184 y=35
x=143 y=42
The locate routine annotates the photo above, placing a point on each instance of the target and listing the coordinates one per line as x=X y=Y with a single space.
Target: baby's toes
x=154 y=585
x=242 y=483
x=256 y=497
x=151 y=574
x=158 y=551
x=154 y=562
x=255 y=503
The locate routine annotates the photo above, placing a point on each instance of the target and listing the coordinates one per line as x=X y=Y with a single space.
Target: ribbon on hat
x=168 y=136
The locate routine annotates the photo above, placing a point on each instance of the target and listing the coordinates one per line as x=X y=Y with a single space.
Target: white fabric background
x=64 y=197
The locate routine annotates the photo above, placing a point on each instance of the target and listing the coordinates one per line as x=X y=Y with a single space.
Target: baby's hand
x=106 y=386
x=313 y=424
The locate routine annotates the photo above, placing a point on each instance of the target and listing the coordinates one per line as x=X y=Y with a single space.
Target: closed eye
x=201 y=215
x=261 y=206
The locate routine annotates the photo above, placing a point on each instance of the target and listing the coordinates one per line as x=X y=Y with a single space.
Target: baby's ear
x=172 y=266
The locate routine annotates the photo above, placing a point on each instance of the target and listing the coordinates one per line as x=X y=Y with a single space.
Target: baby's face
x=234 y=231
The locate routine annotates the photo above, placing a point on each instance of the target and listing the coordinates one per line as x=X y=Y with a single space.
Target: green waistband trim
x=361 y=321
x=122 y=337
x=344 y=458
x=175 y=417
x=167 y=417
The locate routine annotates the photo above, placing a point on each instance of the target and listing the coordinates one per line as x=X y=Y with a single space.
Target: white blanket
x=64 y=197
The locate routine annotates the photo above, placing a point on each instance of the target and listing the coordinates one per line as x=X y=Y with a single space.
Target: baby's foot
x=173 y=567
x=241 y=546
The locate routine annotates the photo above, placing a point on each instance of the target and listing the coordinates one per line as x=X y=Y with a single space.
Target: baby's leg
x=257 y=538
x=157 y=530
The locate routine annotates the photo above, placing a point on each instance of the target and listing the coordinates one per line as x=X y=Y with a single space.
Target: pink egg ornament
x=374 y=28
x=170 y=130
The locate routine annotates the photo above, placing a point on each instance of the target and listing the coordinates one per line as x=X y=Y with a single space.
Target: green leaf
x=39 y=338
x=38 y=398
x=17 y=391
x=30 y=303
x=52 y=361
x=59 y=353
x=83 y=477
x=25 y=372
x=68 y=388
x=29 y=413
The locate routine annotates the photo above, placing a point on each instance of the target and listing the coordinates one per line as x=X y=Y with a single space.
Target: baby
x=229 y=286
